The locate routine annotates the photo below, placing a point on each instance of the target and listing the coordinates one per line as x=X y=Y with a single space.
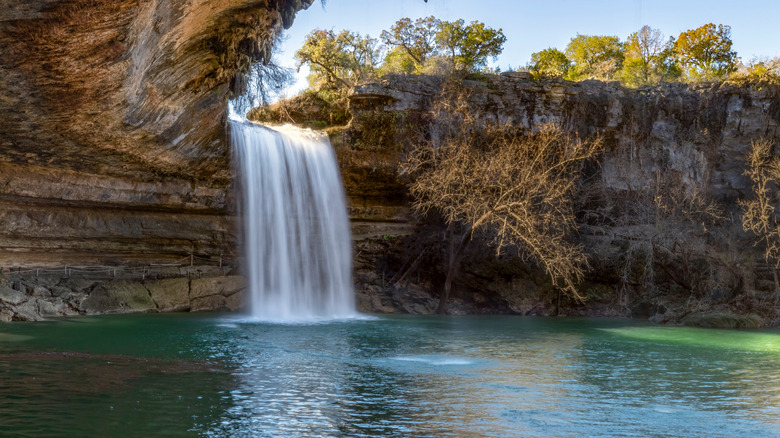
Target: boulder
x=41 y=292
x=211 y=303
x=170 y=295
x=78 y=284
x=27 y=311
x=6 y=315
x=99 y=302
x=236 y=301
x=10 y=296
x=225 y=286
x=48 y=308
x=131 y=296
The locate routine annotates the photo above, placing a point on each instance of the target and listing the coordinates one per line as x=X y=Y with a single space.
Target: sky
x=533 y=25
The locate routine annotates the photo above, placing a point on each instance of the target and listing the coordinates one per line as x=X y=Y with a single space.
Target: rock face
x=112 y=113
x=668 y=148
x=31 y=298
x=699 y=132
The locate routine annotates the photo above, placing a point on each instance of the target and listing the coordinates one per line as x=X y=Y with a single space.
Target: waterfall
x=296 y=233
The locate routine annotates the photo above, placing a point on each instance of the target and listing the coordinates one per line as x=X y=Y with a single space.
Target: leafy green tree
x=668 y=64
x=338 y=60
x=594 y=56
x=469 y=46
x=641 y=64
x=397 y=61
x=705 y=52
x=758 y=72
x=416 y=39
x=550 y=63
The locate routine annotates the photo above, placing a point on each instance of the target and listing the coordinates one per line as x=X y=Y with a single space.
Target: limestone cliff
x=112 y=113
x=668 y=149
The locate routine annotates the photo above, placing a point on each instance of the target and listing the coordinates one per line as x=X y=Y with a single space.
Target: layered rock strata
x=112 y=114
x=34 y=298
x=668 y=149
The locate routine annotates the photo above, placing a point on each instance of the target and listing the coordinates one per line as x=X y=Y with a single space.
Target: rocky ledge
x=204 y=288
x=668 y=150
x=113 y=145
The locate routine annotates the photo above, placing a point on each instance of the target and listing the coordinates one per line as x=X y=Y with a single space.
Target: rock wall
x=34 y=298
x=112 y=115
x=700 y=132
x=652 y=254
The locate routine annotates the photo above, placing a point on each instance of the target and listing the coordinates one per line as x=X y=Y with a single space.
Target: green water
x=195 y=375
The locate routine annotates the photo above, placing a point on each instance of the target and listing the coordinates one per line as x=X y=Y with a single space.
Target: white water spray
x=296 y=230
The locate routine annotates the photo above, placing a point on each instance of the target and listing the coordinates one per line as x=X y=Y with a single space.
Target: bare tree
x=646 y=44
x=517 y=187
x=758 y=214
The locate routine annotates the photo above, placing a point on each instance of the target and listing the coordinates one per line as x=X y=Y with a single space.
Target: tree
x=550 y=63
x=667 y=62
x=491 y=177
x=641 y=65
x=758 y=214
x=757 y=72
x=417 y=40
x=338 y=60
x=398 y=61
x=594 y=56
x=469 y=46
x=705 y=52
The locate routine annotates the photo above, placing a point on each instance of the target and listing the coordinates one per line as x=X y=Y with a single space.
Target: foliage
x=758 y=214
x=765 y=72
x=491 y=177
x=594 y=56
x=315 y=109
x=469 y=46
x=343 y=60
x=550 y=62
x=257 y=87
x=398 y=61
x=705 y=52
x=338 y=60
x=416 y=40
x=642 y=64
x=667 y=62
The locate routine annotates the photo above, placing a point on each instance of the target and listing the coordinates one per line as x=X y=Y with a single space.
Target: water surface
x=195 y=375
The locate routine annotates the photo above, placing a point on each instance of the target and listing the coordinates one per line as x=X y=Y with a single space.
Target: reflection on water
x=184 y=375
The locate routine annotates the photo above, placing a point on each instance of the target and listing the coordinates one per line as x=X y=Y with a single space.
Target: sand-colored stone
x=210 y=303
x=170 y=295
x=131 y=296
x=224 y=286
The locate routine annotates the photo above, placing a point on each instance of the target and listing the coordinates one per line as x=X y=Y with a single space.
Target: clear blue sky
x=531 y=26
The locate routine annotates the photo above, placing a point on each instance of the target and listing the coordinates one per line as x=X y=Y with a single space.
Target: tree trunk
x=456 y=254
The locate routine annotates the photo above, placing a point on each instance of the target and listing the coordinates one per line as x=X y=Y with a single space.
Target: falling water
x=296 y=230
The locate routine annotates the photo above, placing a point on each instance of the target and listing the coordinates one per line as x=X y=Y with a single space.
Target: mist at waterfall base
x=295 y=229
